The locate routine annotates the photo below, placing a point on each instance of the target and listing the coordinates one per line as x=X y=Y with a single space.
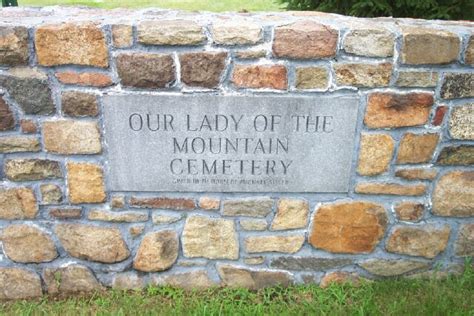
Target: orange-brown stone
x=260 y=76
x=417 y=148
x=85 y=183
x=390 y=189
x=409 y=211
x=93 y=79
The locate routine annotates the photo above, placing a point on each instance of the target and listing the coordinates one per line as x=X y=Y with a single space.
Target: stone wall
x=410 y=209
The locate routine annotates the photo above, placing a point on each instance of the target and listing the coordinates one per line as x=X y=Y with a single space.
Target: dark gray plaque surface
x=229 y=143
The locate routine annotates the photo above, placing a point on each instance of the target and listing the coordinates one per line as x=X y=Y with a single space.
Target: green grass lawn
x=201 y=5
x=452 y=296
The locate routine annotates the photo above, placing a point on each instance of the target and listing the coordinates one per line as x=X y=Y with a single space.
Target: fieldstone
x=425 y=241
x=16 y=284
x=254 y=260
x=211 y=238
x=239 y=277
x=202 y=69
x=469 y=55
x=340 y=277
x=255 y=207
x=423 y=79
x=314 y=40
x=66 y=213
x=390 y=189
x=375 y=155
x=179 y=204
x=193 y=280
x=456 y=155
x=291 y=214
x=77 y=104
x=423 y=46
x=461 y=122
x=251 y=54
x=464 y=246
x=71 y=43
x=7 y=120
x=175 y=32
x=16 y=144
x=417 y=148
x=437 y=273
x=122 y=35
x=192 y=263
x=409 y=211
x=13 y=45
x=369 y=42
x=71 y=279
x=117 y=201
x=381 y=267
x=85 y=183
x=17 y=203
x=69 y=137
x=28 y=244
x=285 y=244
x=93 y=79
x=209 y=203
x=453 y=194
x=439 y=115
x=51 y=194
x=363 y=75
x=457 y=85
x=309 y=263
x=253 y=224
x=28 y=126
x=416 y=174
x=146 y=70
x=136 y=230
x=158 y=251
x=160 y=219
x=128 y=281
x=348 y=227
x=392 y=110
x=312 y=78
x=236 y=32
x=94 y=243
x=260 y=76
x=32 y=169
x=29 y=89
x=117 y=217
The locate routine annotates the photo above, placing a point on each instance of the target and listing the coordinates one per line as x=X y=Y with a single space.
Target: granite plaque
x=214 y=143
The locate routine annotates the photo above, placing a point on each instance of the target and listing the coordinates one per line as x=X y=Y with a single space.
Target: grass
x=451 y=296
x=191 y=5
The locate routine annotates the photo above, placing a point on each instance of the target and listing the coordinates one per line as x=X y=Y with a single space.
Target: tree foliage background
x=426 y=9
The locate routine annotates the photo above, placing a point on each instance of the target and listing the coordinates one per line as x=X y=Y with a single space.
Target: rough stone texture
x=456 y=155
x=27 y=244
x=391 y=110
x=423 y=79
x=70 y=279
x=28 y=126
x=339 y=277
x=136 y=230
x=128 y=281
x=160 y=219
x=69 y=137
x=416 y=174
x=15 y=144
x=251 y=54
x=423 y=46
x=461 y=122
x=209 y=203
x=453 y=194
x=51 y=194
x=146 y=70
x=158 y=251
x=469 y=56
x=425 y=241
x=254 y=260
x=65 y=213
x=439 y=115
x=253 y=224
x=16 y=284
x=369 y=42
x=85 y=183
x=375 y=154
x=390 y=189
x=457 y=85
x=309 y=263
x=7 y=120
x=260 y=76
x=13 y=45
x=93 y=79
x=285 y=244
x=314 y=40
x=236 y=32
x=122 y=35
x=387 y=268
x=180 y=204
x=32 y=169
x=239 y=277
x=29 y=88
x=193 y=280
x=348 y=227
x=202 y=69
x=363 y=75
x=291 y=214
x=409 y=211
x=77 y=104
x=417 y=148
x=464 y=246
x=68 y=43
x=94 y=243
x=177 y=32
x=312 y=78
x=117 y=217
x=18 y=203
x=255 y=207
x=211 y=238
x=117 y=201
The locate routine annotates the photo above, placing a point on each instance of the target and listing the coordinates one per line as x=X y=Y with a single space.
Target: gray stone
x=309 y=263
x=383 y=267
x=71 y=279
x=193 y=280
x=32 y=169
x=257 y=207
x=15 y=144
x=16 y=283
x=457 y=85
x=461 y=122
x=235 y=276
x=369 y=42
x=456 y=155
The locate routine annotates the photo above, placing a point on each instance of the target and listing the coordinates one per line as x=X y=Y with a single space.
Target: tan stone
x=85 y=183
x=122 y=35
x=424 y=79
x=239 y=277
x=32 y=169
x=13 y=45
x=254 y=260
x=312 y=78
x=253 y=224
x=69 y=137
x=94 y=243
x=461 y=122
x=136 y=230
x=383 y=267
x=376 y=151
x=17 y=203
x=193 y=280
x=93 y=79
x=16 y=144
x=28 y=244
x=340 y=277
x=71 y=279
x=51 y=194
x=118 y=217
x=251 y=54
x=172 y=32
x=469 y=55
x=464 y=246
x=426 y=241
x=348 y=227
x=211 y=238
x=363 y=75
x=409 y=211
x=416 y=174
x=390 y=189
x=374 y=42
x=158 y=251
x=160 y=219
x=117 y=201
x=209 y=203
x=255 y=207
x=417 y=148
x=236 y=32
x=180 y=204
x=453 y=194
x=285 y=244
x=260 y=76
x=291 y=214
x=128 y=281
x=71 y=43
x=16 y=283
